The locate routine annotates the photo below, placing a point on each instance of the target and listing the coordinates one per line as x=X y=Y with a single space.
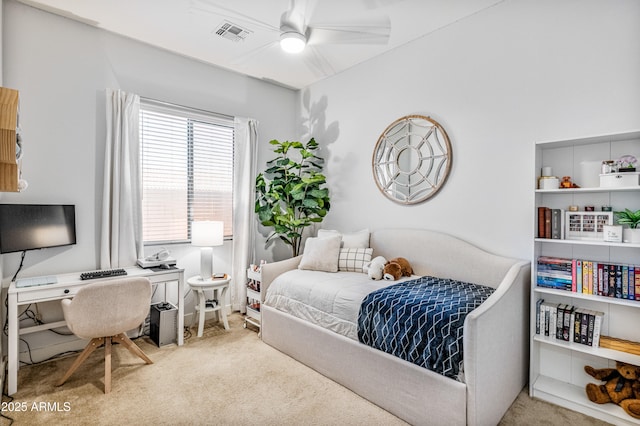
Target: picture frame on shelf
x=613 y=233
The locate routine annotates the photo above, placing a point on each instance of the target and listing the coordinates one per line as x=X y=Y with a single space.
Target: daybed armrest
x=496 y=339
x=271 y=270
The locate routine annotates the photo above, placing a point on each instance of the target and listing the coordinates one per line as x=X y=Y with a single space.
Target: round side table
x=219 y=287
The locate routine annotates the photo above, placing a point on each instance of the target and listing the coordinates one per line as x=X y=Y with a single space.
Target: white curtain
x=245 y=160
x=121 y=237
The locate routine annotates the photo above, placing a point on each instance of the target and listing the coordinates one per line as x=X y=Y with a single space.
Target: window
x=187 y=171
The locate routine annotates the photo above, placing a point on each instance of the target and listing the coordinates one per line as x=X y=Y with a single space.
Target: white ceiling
x=188 y=27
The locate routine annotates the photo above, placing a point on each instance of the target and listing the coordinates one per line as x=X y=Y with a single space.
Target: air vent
x=231 y=31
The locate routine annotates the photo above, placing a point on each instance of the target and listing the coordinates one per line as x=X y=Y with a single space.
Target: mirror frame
x=432 y=164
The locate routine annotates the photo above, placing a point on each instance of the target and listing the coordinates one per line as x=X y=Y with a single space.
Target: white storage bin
x=617 y=180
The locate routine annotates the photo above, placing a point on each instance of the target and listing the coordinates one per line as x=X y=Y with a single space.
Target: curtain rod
x=170 y=104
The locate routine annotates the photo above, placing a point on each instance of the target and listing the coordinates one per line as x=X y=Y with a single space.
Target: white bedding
x=328 y=299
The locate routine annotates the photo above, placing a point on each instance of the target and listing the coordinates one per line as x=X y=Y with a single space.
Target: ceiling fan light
x=292 y=42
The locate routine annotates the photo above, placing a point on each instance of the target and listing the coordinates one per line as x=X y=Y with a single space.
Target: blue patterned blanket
x=421 y=320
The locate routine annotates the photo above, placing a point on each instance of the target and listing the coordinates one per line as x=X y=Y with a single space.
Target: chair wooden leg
x=107 y=364
x=92 y=346
x=133 y=348
x=96 y=343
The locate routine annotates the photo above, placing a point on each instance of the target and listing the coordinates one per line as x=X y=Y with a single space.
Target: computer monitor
x=36 y=226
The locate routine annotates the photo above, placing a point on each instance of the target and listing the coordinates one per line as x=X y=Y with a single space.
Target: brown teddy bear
x=622 y=387
x=396 y=268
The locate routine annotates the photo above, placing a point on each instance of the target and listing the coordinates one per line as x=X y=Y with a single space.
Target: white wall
x=61 y=68
x=498 y=81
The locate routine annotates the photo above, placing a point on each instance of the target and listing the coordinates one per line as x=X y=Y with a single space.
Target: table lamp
x=207 y=234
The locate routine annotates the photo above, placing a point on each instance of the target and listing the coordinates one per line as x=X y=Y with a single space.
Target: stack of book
x=565 y=322
x=550 y=223
x=589 y=277
x=555 y=272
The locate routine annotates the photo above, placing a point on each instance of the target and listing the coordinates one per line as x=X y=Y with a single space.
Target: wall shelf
x=8 y=139
x=586 y=242
x=575 y=398
x=587 y=190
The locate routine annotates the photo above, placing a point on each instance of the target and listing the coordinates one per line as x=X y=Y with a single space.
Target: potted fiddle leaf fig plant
x=632 y=219
x=290 y=193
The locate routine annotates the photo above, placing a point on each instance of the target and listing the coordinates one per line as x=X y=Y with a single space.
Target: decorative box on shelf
x=619 y=180
x=586 y=225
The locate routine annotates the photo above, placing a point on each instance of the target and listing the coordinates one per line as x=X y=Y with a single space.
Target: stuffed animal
x=396 y=268
x=621 y=387
x=375 y=268
x=566 y=183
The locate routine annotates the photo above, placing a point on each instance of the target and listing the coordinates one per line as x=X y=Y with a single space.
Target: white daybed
x=495 y=337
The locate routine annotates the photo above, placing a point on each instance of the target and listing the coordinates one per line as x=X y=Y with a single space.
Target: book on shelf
x=538 y=303
x=551 y=223
x=544 y=222
x=557 y=224
x=621 y=281
x=568 y=323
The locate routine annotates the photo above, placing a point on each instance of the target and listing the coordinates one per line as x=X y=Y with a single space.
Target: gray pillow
x=321 y=254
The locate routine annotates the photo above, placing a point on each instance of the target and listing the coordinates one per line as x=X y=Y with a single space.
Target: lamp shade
x=207 y=233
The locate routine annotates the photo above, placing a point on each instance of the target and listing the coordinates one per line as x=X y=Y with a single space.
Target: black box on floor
x=163 y=323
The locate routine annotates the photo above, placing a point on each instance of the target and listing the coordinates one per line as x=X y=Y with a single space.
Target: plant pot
x=631 y=235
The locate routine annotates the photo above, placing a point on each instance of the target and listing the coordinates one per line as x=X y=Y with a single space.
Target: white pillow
x=321 y=254
x=358 y=239
x=354 y=259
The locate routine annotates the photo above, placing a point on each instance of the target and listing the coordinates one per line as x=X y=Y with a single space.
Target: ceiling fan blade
x=375 y=4
x=229 y=13
x=365 y=33
x=255 y=54
x=317 y=63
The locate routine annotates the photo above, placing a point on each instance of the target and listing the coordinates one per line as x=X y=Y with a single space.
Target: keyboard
x=104 y=273
x=34 y=281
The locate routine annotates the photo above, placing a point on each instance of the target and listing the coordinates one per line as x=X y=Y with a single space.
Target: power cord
x=10 y=398
x=24 y=253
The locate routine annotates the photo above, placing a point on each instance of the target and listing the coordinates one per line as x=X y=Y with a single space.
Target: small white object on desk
x=219 y=287
x=34 y=281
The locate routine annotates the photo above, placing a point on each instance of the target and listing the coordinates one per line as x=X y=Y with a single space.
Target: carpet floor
x=226 y=377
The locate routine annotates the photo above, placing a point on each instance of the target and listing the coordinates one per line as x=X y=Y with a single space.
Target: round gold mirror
x=412 y=159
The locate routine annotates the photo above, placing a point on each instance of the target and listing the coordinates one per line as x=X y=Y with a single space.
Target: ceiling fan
x=298 y=31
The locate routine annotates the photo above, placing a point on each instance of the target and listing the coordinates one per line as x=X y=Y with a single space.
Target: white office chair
x=103 y=312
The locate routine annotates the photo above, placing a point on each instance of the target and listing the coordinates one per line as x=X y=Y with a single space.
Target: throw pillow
x=354 y=259
x=321 y=254
x=358 y=239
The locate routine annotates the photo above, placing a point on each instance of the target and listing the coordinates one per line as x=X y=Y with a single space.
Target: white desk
x=66 y=287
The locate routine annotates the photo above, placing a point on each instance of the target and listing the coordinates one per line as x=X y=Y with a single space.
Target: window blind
x=187 y=170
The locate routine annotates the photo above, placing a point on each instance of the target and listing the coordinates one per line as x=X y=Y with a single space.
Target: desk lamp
x=207 y=234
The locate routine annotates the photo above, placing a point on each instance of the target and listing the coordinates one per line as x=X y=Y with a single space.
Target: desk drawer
x=44 y=293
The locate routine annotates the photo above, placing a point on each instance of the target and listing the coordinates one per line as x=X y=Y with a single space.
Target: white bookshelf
x=557 y=367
